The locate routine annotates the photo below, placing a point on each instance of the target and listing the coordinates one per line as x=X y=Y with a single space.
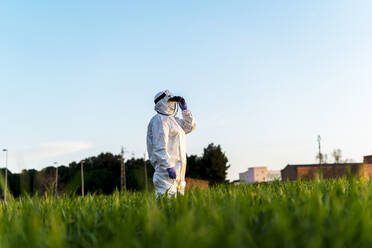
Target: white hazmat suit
x=166 y=145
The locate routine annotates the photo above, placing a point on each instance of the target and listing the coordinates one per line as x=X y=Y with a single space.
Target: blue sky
x=263 y=78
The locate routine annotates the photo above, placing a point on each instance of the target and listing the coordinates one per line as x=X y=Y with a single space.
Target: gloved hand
x=172 y=173
x=183 y=104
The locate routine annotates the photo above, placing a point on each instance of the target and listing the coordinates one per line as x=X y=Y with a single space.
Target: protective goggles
x=160 y=97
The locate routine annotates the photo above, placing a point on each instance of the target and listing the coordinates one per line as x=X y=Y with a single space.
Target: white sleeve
x=149 y=143
x=160 y=133
x=188 y=122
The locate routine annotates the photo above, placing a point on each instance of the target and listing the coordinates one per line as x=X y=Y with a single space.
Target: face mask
x=172 y=106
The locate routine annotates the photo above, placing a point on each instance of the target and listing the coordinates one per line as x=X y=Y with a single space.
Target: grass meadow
x=329 y=213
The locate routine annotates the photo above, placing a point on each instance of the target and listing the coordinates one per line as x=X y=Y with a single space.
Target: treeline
x=102 y=174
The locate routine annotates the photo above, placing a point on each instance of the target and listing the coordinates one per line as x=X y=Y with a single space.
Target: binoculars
x=176 y=99
x=172 y=99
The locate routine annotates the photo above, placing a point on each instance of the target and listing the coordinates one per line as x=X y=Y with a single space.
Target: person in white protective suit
x=166 y=143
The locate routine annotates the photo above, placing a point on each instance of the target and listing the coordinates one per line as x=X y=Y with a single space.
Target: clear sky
x=263 y=78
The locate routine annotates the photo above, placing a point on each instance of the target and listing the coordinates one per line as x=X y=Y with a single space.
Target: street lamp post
x=56 y=183
x=82 y=177
x=6 y=173
x=123 y=180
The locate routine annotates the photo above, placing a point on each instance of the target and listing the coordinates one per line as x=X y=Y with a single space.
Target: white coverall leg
x=166 y=145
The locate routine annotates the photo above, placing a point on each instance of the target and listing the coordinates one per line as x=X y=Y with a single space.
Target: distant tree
x=47 y=176
x=14 y=184
x=325 y=158
x=25 y=182
x=194 y=168
x=348 y=160
x=337 y=155
x=322 y=158
x=135 y=169
x=214 y=164
x=102 y=174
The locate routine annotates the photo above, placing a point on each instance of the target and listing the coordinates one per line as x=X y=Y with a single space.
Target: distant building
x=259 y=175
x=274 y=175
x=310 y=171
x=254 y=175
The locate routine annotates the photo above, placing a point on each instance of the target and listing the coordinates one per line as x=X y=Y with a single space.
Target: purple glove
x=172 y=173
x=183 y=105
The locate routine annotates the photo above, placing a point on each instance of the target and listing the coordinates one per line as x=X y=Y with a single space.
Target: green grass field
x=335 y=213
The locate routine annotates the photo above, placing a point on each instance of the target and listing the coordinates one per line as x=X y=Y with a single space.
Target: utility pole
x=144 y=161
x=82 y=177
x=56 y=184
x=6 y=174
x=320 y=151
x=123 y=182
